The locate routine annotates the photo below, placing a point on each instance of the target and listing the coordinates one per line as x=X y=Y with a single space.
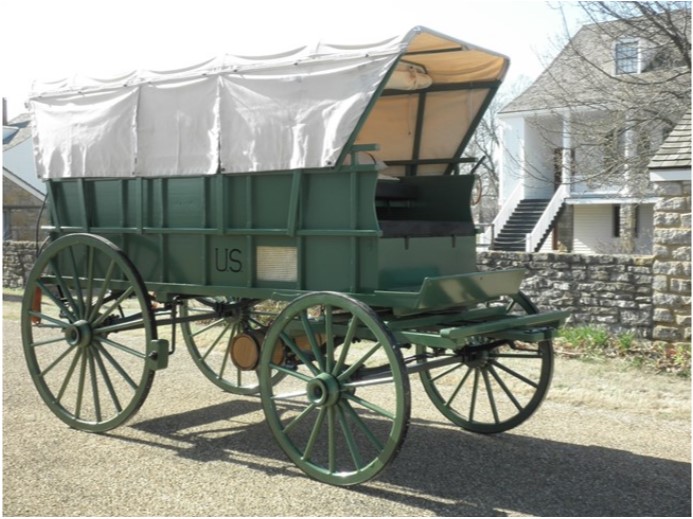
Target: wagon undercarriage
x=332 y=371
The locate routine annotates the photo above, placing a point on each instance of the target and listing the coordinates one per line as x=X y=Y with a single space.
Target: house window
x=616 y=221
x=626 y=57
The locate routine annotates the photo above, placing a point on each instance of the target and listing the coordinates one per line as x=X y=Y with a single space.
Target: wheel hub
x=323 y=390
x=78 y=334
x=476 y=359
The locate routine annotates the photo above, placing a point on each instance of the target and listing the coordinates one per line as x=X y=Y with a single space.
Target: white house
x=575 y=145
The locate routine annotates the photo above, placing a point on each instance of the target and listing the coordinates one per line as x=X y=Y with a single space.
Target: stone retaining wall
x=609 y=291
x=17 y=259
x=648 y=296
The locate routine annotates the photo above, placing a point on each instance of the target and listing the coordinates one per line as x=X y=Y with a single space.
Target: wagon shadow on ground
x=449 y=472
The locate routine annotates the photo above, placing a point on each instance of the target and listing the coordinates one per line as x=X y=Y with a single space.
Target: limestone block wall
x=672 y=263
x=610 y=291
x=17 y=260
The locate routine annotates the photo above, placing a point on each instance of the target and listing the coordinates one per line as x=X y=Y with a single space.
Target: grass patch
x=592 y=342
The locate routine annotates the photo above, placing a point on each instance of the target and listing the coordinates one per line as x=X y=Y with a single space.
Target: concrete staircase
x=512 y=236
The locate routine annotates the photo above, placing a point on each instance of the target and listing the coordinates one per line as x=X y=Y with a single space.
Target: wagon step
x=529 y=328
x=440 y=292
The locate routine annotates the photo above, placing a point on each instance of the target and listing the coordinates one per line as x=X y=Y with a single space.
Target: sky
x=52 y=39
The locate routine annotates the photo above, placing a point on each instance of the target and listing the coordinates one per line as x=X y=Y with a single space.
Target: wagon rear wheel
x=342 y=411
x=226 y=346
x=492 y=389
x=86 y=327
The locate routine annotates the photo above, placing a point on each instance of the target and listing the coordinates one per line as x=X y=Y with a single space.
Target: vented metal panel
x=276 y=264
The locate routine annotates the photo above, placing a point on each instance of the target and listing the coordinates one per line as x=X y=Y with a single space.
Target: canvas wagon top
x=301 y=109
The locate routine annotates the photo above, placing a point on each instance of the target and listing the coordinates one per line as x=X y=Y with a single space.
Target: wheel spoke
x=331 y=441
x=58 y=360
x=116 y=304
x=212 y=325
x=102 y=292
x=78 y=287
x=505 y=389
x=291 y=372
x=371 y=406
x=117 y=366
x=216 y=341
x=67 y=294
x=94 y=387
x=354 y=367
x=299 y=417
x=46 y=341
x=446 y=372
x=80 y=388
x=42 y=316
x=361 y=425
x=90 y=281
x=299 y=353
x=514 y=373
x=489 y=392
x=314 y=434
x=329 y=344
x=234 y=332
x=107 y=381
x=315 y=348
x=123 y=348
x=475 y=389
x=349 y=437
x=349 y=337
x=459 y=386
x=68 y=376
x=59 y=303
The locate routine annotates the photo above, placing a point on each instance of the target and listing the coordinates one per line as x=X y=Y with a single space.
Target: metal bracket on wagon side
x=157 y=354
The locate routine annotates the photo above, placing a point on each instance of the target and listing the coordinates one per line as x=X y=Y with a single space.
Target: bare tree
x=629 y=67
x=608 y=99
x=484 y=146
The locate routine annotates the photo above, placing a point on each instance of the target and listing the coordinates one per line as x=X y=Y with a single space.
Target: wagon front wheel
x=342 y=410
x=491 y=387
x=87 y=332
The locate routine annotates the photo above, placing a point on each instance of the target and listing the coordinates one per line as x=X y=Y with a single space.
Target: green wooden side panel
x=285 y=231
x=404 y=263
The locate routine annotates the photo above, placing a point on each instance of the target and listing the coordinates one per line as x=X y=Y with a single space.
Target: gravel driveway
x=608 y=441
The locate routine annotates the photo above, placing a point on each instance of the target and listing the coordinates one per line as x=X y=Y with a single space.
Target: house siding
x=593 y=231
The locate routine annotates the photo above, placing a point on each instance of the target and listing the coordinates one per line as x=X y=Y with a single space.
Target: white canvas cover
x=241 y=114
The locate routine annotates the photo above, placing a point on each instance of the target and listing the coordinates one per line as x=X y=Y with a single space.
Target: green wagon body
x=277 y=233
x=386 y=255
